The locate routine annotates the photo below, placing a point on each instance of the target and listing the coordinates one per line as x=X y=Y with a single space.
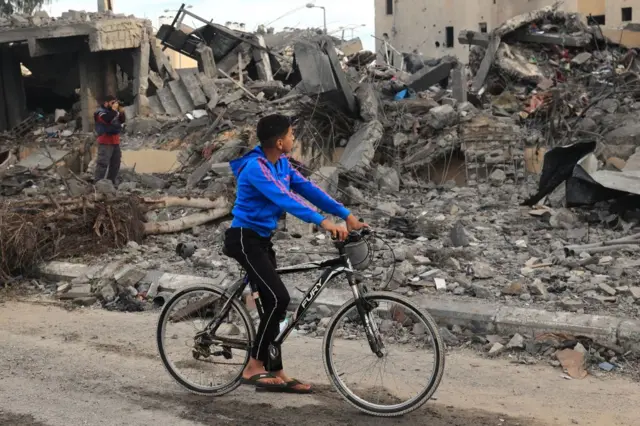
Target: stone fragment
x=496 y=349
x=498 y=177
x=483 y=270
x=458 y=235
x=516 y=342
x=441 y=117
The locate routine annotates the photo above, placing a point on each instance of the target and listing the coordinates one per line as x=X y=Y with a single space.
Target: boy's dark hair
x=271 y=128
x=108 y=98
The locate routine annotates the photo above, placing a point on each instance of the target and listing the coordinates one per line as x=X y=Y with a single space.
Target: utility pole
x=105 y=5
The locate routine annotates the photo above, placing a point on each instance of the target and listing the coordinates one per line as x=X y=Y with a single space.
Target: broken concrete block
x=206 y=61
x=156 y=80
x=129 y=277
x=210 y=90
x=581 y=58
x=442 y=116
x=168 y=101
x=459 y=84
x=387 y=179
x=430 y=76
x=44 y=158
x=19 y=20
x=105 y=290
x=261 y=59
x=485 y=65
x=155 y=105
x=74 y=15
x=232 y=97
x=80 y=290
x=315 y=69
x=193 y=86
x=341 y=77
x=369 y=102
x=221 y=169
x=361 y=148
x=474 y=38
x=182 y=97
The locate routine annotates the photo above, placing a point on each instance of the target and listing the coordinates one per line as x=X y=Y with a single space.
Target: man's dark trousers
x=108 y=162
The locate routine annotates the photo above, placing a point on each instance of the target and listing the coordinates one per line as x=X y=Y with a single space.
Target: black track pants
x=255 y=254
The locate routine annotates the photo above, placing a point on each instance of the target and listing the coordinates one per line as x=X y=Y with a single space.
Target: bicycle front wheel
x=406 y=370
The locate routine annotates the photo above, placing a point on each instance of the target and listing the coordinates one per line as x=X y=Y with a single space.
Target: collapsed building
x=73 y=61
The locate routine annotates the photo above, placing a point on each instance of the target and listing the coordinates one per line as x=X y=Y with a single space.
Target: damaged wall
x=428 y=27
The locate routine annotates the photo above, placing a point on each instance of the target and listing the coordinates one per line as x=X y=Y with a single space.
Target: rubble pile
x=445 y=171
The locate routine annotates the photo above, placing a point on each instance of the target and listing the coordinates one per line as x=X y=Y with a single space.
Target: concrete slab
x=24 y=34
x=156 y=80
x=361 y=148
x=555 y=39
x=207 y=61
x=485 y=65
x=168 y=101
x=427 y=77
x=156 y=105
x=210 y=90
x=532 y=321
x=44 y=158
x=315 y=69
x=262 y=60
x=459 y=84
x=221 y=169
x=177 y=282
x=62 y=271
x=182 y=97
x=473 y=38
x=193 y=86
x=341 y=77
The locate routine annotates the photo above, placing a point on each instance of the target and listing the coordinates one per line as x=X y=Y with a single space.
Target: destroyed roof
x=42 y=19
x=220 y=39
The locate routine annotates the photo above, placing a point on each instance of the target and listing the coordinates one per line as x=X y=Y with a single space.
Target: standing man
x=109 y=119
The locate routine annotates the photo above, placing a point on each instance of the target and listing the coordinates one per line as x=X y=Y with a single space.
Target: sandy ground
x=93 y=367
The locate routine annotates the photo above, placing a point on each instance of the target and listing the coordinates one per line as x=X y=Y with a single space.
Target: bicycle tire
x=236 y=304
x=411 y=405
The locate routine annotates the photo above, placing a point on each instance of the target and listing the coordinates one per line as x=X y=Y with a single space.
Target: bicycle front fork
x=365 y=308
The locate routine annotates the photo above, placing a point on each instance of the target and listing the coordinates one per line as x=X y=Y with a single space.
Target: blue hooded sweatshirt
x=265 y=190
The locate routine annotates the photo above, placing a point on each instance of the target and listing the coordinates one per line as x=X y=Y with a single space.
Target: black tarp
x=561 y=165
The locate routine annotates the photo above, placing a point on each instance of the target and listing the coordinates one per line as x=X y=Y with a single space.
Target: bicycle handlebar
x=354 y=237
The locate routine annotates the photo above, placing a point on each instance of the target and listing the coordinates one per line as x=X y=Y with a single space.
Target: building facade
x=431 y=27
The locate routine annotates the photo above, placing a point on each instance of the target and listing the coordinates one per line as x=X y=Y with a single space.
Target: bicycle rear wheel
x=409 y=367
x=190 y=353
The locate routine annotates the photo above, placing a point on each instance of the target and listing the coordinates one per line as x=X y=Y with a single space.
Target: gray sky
x=340 y=13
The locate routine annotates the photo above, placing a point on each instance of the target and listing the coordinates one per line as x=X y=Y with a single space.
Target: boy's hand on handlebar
x=353 y=224
x=337 y=232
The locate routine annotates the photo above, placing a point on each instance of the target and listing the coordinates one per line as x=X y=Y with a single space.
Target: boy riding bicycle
x=267 y=185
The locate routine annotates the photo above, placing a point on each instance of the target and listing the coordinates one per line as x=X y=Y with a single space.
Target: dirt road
x=93 y=367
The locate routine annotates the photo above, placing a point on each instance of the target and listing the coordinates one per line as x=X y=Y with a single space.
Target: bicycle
x=228 y=330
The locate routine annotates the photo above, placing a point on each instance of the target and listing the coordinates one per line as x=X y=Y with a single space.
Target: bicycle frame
x=334 y=267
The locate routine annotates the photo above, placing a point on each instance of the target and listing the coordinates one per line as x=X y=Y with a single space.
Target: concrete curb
x=475 y=315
